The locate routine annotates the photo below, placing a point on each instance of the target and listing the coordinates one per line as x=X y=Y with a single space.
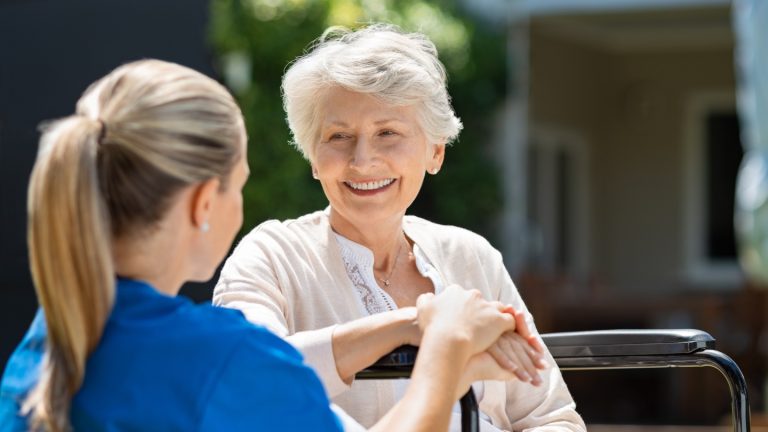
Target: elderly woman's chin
x=372 y=208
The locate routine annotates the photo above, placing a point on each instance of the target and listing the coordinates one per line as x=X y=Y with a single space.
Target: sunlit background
x=600 y=154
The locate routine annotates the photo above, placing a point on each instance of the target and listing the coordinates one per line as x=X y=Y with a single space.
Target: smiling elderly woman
x=370 y=111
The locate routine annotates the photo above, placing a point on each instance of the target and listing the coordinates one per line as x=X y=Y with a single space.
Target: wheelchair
x=605 y=349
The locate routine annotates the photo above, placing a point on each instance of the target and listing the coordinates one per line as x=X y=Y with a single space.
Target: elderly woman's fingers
x=536 y=354
x=514 y=357
x=502 y=358
x=535 y=342
x=514 y=353
x=523 y=351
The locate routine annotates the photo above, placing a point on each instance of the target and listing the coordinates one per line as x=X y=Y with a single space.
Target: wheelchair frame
x=605 y=349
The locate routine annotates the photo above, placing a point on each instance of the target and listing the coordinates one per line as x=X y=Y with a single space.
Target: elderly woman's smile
x=369 y=186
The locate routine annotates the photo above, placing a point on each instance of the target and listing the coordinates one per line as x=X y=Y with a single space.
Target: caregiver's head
x=371 y=112
x=106 y=189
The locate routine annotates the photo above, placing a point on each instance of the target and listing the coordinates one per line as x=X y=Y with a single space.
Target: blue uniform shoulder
x=168 y=363
x=21 y=374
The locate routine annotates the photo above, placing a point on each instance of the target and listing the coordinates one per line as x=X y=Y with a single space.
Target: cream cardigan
x=290 y=277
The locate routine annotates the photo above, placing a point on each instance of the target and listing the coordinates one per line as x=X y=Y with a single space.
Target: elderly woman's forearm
x=358 y=344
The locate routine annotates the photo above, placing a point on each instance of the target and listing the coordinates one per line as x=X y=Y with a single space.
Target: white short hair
x=398 y=68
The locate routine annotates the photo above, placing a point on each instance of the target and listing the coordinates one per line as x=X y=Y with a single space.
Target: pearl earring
x=205 y=227
x=433 y=171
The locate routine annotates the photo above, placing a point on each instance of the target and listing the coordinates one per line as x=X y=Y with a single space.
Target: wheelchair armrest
x=643 y=349
x=396 y=364
x=604 y=343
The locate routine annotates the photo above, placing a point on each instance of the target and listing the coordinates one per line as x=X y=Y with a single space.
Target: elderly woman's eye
x=387 y=132
x=338 y=136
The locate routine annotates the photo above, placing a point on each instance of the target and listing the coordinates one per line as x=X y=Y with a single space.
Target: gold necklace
x=386 y=281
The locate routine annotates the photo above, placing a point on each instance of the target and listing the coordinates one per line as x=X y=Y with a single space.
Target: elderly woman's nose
x=363 y=154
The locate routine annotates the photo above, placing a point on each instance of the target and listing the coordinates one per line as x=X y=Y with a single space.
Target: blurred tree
x=255 y=40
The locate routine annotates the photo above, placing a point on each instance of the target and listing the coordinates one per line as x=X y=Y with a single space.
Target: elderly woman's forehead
x=401 y=69
x=338 y=98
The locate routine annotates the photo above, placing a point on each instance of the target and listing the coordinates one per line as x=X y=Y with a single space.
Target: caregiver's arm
x=457 y=326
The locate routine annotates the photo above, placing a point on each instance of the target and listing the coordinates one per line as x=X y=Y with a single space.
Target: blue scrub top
x=164 y=363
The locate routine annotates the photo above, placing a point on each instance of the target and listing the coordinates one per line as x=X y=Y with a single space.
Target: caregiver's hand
x=465 y=317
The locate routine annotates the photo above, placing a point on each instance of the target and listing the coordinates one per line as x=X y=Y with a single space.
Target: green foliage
x=255 y=40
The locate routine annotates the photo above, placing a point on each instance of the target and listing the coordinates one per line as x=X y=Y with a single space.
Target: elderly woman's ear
x=436 y=158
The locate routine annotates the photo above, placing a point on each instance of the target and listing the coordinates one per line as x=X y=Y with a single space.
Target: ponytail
x=161 y=127
x=71 y=261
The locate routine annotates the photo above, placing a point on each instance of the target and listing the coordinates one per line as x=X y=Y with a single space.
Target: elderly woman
x=370 y=111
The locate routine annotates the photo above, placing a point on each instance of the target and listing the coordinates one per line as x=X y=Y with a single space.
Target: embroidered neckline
x=358 y=262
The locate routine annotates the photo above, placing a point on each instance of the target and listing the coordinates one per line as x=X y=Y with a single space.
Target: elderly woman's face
x=371 y=157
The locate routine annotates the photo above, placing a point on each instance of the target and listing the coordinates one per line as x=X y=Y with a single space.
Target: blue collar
x=137 y=299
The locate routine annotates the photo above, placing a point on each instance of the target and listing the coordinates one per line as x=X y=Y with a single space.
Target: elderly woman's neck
x=383 y=238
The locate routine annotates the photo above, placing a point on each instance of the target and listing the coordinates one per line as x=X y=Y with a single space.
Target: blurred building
x=621 y=148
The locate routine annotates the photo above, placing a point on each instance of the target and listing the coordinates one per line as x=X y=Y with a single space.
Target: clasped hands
x=499 y=342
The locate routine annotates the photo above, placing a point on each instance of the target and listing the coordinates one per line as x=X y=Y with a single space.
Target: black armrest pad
x=627 y=342
x=397 y=364
x=403 y=356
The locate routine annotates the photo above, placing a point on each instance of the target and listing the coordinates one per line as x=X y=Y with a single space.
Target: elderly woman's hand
x=482 y=367
x=465 y=317
x=520 y=351
x=516 y=354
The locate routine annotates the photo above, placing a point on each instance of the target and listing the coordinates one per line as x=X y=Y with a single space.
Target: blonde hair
x=139 y=135
x=398 y=68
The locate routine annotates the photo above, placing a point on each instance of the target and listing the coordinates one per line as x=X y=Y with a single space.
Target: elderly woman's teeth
x=370 y=185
